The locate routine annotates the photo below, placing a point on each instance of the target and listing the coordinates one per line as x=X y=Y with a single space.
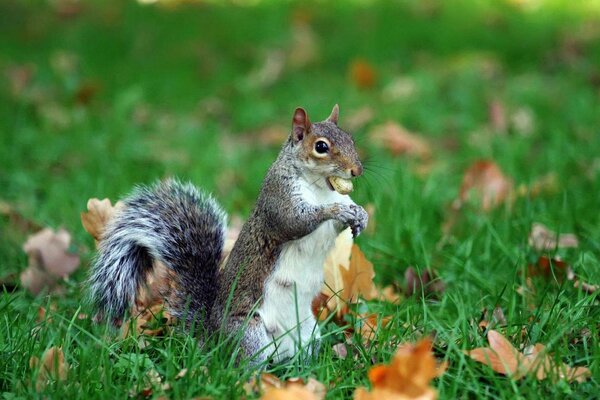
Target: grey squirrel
x=275 y=268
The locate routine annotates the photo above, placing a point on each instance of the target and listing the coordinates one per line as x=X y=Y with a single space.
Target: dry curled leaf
x=535 y=361
x=541 y=238
x=408 y=376
x=49 y=260
x=100 y=212
x=400 y=141
x=52 y=368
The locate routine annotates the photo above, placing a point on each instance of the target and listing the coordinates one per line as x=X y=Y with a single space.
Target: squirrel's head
x=323 y=148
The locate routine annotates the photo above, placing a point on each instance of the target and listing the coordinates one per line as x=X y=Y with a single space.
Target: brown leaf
x=501 y=356
x=484 y=182
x=541 y=238
x=150 y=321
x=340 y=350
x=586 y=287
x=505 y=359
x=400 y=141
x=49 y=260
x=362 y=74
x=369 y=324
x=53 y=250
x=497 y=116
x=100 y=212
x=426 y=283
x=546 y=266
x=407 y=376
x=496 y=318
x=53 y=367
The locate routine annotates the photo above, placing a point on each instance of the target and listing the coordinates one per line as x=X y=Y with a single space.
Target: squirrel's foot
x=354 y=216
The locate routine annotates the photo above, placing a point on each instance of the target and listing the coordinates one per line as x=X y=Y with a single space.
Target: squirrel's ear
x=335 y=113
x=300 y=124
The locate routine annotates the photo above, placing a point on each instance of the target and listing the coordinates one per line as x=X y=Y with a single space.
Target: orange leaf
x=358 y=278
x=362 y=74
x=289 y=393
x=53 y=367
x=407 y=376
x=503 y=358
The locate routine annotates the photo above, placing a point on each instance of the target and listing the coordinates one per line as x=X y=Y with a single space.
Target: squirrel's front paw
x=354 y=216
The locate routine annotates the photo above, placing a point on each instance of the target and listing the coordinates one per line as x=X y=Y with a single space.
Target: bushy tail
x=170 y=222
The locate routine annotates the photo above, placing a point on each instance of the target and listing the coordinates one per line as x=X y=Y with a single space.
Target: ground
x=99 y=96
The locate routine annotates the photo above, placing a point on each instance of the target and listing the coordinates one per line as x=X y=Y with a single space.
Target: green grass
x=154 y=69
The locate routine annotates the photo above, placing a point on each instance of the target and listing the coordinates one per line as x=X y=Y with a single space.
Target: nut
x=341 y=185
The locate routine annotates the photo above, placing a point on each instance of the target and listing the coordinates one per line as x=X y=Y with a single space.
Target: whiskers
x=376 y=174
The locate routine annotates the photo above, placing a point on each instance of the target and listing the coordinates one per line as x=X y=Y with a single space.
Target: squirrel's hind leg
x=256 y=344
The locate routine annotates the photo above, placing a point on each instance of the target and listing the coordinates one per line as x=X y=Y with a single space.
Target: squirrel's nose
x=357 y=170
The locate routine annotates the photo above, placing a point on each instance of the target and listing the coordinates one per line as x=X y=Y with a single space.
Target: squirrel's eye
x=321 y=147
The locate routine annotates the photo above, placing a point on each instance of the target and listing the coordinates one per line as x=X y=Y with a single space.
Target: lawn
x=98 y=96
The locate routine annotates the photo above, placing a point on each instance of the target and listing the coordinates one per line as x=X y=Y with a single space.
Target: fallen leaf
x=497 y=318
x=340 y=350
x=501 y=356
x=150 y=321
x=357 y=119
x=400 y=88
x=304 y=48
x=20 y=77
x=400 y=141
x=408 y=376
x=425 y=283
x=362 y=74
x=484 y=182
x=358 y=278
x=497 y=116
x=53 y=367
x=49 y=260
x=368 y=325
x=53 y=249
x=586 y=287
x=181 y=373
x=100 y=212
x=547 y=266
x=541 y=238
x=535 y=361
x=268 y=72
x=294 y=388
x=289 y=393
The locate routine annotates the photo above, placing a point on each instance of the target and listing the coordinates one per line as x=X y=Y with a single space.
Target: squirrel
x=275 y=269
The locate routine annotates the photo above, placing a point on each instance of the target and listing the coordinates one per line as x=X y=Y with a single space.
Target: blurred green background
x=97 y=96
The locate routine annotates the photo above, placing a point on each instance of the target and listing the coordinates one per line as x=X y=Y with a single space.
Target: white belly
x=296 y=280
